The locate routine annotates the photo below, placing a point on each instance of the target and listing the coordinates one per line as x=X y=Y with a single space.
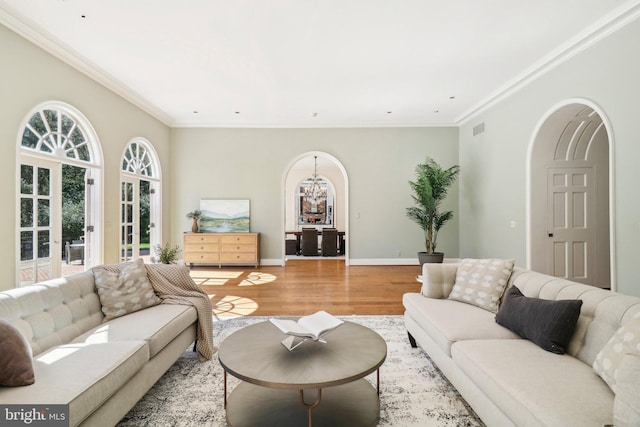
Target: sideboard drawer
x=237 y=257
x=201 y=257
x=249 y=239
x=238 y=248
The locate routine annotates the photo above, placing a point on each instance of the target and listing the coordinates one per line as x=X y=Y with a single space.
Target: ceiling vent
x=478 y=129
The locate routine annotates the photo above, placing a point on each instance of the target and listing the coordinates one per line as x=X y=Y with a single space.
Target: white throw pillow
x=482 y=282
x=125 y=292
x=625 y=341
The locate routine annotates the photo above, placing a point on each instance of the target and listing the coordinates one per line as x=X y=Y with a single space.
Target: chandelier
x=315 y=190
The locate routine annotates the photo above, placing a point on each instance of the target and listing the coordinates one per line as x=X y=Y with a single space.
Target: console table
x=222 y=248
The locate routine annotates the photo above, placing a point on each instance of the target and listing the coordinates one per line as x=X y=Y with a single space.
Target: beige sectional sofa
x=100 y=369
x=509 y=380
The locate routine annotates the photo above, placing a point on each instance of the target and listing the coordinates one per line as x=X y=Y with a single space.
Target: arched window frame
x=58 y=146
x=140 y=161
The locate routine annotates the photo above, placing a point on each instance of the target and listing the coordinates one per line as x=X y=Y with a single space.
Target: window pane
x=52 y=119
x=129 y=218
x=44 y=186
x=37 y=124
x=26 y=245
x=26 y=212
x=43 y=244
x=44 y=213
x=129 y=191
x=129 y=235
x=67 y=124
x=77 y=137
x=29 y=139
x=83 y=153
x=26 y=179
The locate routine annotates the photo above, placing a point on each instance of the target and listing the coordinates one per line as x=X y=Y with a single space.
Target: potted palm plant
x=429 y=190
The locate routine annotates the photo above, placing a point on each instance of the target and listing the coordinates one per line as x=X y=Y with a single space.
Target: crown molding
x=604 y=27
x=52 y=45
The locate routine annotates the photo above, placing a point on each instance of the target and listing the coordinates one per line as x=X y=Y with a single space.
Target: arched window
x=59 y=188
x=139 y=201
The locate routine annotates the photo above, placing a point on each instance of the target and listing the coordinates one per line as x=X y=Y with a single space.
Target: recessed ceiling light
x=237 y=112
x=83 y=16
x=452 y=97
x=195 y=112
x=436 y=111
x=389 y=112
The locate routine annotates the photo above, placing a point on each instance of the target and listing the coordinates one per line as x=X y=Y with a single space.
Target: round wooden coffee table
x=316 y=384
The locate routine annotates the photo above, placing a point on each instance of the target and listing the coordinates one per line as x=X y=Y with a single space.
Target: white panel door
x=570 y=223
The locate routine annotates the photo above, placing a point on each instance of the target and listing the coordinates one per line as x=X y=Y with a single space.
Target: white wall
x=493 y=181
x=252 y=163
x=30 y=76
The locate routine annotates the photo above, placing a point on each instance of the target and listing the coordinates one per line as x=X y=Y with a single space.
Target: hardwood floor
x=304 y=287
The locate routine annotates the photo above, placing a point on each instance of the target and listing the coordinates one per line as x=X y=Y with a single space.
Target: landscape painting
x=224 y=216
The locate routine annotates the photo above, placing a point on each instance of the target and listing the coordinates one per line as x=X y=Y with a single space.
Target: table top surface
x=256 y=355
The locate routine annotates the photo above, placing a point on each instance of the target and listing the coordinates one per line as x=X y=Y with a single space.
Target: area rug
x=413 y=391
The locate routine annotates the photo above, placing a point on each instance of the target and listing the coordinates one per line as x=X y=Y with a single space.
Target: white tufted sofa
x=99 y=369
x=511 y=381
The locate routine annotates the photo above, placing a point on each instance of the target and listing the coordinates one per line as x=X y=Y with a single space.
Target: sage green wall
x=252 y=163
x=30 y=76
x=493 y=177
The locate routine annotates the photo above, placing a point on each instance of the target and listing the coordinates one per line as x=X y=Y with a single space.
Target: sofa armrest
x=438 y=279
x=626 y=404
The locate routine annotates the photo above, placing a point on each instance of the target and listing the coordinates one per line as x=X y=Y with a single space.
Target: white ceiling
x=313 y=63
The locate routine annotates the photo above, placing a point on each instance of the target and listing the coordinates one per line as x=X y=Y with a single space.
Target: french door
x=129 y=219
x=40 y=221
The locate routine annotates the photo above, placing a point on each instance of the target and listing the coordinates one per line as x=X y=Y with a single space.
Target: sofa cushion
x=535 y=387
x=15 y=358
x=125 y=292
x=482 y=282
x=157 y=325
x=447 y=321
x=549 y=324
x=625 y=341
x=83 y=376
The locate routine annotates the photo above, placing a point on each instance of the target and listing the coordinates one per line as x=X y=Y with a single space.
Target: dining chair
x=309 y=242
x=329 y=242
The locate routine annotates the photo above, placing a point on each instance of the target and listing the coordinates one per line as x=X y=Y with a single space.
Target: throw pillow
x=626 y=340
x=15 y=357
x=125 y=292
x=548 y=323
x=482 y=282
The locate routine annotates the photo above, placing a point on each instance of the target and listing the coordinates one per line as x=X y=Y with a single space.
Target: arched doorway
x=569 y=202
x=335 y=212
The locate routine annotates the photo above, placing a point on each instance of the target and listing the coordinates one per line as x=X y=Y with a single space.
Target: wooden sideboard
x=222 y=248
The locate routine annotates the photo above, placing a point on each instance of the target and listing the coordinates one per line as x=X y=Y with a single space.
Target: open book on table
x=314 y=326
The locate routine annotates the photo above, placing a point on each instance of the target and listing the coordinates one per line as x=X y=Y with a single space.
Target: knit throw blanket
x=173 y=284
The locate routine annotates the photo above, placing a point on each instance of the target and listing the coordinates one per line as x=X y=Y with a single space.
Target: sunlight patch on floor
x=232 y=306
x=257 y=278
x=214 y=278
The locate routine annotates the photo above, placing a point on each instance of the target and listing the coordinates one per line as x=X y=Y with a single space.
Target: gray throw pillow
x=125 y=292
x=548 y=323
x=16 y=362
